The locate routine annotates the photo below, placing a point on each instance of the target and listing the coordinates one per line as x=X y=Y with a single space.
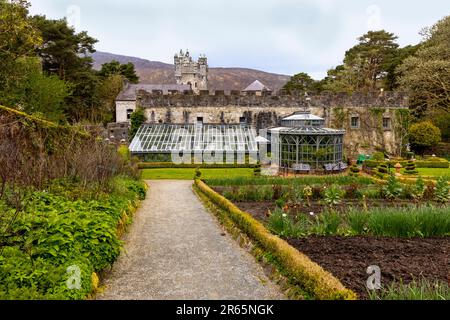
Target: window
x=355 y=122
x=129 y=113
x=199 y=120
x=243 y=120
x=387 y=123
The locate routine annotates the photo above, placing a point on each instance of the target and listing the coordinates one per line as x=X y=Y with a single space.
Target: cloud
x=283 y=36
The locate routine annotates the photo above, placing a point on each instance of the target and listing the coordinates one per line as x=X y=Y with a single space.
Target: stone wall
x=267 y=111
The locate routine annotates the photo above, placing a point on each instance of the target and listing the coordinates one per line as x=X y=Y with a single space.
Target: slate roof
x=129 y=93
x=257 y=86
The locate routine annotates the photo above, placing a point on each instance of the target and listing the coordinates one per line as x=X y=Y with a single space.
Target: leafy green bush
x=56 y=230
x=393 y=188
x=333 y=195
x=424 y=135
x=410 y=168
x=378 y=156
x=281 y=224
x=327 y=223
x=442 y=190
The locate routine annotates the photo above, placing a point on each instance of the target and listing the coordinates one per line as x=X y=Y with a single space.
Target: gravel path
x=175 y=250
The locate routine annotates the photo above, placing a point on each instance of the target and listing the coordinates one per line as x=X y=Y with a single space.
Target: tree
x=34 y=92
x=425 y=76
x=138 y=118
x=366 y=65
x=424 y=135
x=116 y=68
x=18 y=37
x=302 y=83
x=65 y=53
x=106 y=94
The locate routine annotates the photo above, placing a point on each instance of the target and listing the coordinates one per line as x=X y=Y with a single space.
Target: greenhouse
x=304 y=144
x=195 y=143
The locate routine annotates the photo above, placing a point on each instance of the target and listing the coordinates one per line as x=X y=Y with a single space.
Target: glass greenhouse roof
x=167 y=138
x=307 y=131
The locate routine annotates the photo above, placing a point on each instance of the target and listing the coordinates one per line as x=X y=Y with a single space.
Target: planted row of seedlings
x=401 y=229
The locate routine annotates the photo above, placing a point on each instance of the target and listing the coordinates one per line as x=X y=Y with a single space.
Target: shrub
x=442 y=190
x=419 y=188
x=383 y=168
x=198 y=173
x=424 y=135
x=378 y=156
x=327 y=223
x=393 y=189
x=410 y=168
x=333 y=195
x=354 y=170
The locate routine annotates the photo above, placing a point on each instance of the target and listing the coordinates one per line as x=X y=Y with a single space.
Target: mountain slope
x=154 y=72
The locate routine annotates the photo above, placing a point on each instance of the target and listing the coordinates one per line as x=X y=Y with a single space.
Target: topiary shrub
x=411 y=168
x=383 y=168
x=354 y=171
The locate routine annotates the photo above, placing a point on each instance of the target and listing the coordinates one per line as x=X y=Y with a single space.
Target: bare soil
x=347 y=258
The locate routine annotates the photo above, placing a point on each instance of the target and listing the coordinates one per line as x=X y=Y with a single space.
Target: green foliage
x=333 y=195
x=137 y=120
x=415 y=290
x=124 y=152
x=393 y=189
x=294 y=182
x=302 y=83
x=116 y=68
x=198 y=173
x=419 y=188
x=424 y=135
x=59 y=229
x=410 y=168
x=425 y=75
x=442 y=190
x=327 y=223
x=283 y=225
x=378 y=156
x=366 y=65
x=18 y=36
x=355 y=171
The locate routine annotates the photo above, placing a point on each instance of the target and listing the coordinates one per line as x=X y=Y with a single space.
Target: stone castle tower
x=190 y=72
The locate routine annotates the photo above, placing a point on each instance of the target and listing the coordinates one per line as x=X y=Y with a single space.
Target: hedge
x=313 y=278
x=435 y=163
x=166 y=165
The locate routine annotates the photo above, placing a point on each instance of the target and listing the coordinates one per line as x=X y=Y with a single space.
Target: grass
x=305 y=180
x=188 y=174
x=434 y=172
x=421 y=290
x=411 y=222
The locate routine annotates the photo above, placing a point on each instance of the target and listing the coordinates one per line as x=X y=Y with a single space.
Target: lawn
x=188 y=174
x=434 y=172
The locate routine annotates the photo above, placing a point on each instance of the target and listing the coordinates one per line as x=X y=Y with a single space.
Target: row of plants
x=53 y=247
x=161 y=165
x=425 y=221
x=432 y=162
x=306 y=180
x=335 y=194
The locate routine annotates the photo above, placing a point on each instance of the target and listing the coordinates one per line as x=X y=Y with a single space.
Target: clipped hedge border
x=313 y=278
x=442 y=163
x=170 y=165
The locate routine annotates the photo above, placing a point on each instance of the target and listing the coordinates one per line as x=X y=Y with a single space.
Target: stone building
x=189 y=72
x=372 y=121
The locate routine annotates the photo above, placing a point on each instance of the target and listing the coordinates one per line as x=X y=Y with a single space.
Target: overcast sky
x=280 y=36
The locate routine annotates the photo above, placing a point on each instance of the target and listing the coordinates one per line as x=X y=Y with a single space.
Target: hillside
x=154 y=72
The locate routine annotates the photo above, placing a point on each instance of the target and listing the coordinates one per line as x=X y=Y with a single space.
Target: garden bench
x=333 y=167
x=301 y=167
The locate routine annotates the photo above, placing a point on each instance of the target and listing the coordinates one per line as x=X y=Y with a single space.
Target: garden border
x=312 y=277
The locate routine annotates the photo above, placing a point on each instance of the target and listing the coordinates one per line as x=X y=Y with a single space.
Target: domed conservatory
x=304 y=144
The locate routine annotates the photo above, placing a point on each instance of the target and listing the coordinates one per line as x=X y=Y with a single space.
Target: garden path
x=176 y=250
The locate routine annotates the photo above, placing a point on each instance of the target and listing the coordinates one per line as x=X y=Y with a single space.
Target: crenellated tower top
x=190 y=72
